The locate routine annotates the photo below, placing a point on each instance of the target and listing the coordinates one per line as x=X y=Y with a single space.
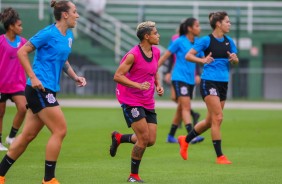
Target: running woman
x=220 y=51
x=183 y=76
x=137 y=80
x=12 y=75
x=53 y=46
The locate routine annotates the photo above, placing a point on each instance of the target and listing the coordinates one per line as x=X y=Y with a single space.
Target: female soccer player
x=183 y=75
x=137 y=80
x=12 y=76
x=220 y=51
x=53 y=46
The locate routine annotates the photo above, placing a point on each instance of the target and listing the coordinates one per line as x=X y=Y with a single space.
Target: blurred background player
x=220 y=51
x=183 y=76
x=137 y=80
x=12 y=75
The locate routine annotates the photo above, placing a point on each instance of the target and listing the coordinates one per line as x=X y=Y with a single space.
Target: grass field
x=251 y=139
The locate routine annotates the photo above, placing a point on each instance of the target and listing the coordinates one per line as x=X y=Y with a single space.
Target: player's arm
x=81 y=81
x=24 y=60
x=159 y=88
x=164 y=57
x=123 y=69
x=191 y=56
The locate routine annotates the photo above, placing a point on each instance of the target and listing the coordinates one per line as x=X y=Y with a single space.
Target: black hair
x=59 y=7
x=216 y=17
x=183 y=28
x=9 y=17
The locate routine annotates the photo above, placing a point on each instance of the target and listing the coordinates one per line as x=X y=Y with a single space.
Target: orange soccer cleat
x=2 y=180
x=183 y=147
x=52 y=181
x=222 y=160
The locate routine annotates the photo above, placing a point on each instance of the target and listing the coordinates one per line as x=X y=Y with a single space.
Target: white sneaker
x=10 y=140
x=3 y=148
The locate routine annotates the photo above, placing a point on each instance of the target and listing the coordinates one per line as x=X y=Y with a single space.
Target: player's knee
x=151 y=143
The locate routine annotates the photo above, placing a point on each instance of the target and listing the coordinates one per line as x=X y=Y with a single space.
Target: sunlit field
x=252 y=140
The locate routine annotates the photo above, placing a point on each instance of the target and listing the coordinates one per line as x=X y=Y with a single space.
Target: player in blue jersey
x=53 y=46
x=220 y=51
x=183 y=75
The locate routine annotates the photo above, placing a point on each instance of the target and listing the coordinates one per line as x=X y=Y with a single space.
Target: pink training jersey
x=12 y=74
x=140 y=72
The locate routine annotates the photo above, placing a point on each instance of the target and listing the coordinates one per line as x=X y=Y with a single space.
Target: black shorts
x=5 y=96
x=133 y=114
x=38 y=100
x=183 y=89
x=214 y=88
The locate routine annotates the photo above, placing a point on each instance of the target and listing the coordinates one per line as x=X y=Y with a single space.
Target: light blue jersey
x=183 y=70
x=52 y=51
x=218 y=70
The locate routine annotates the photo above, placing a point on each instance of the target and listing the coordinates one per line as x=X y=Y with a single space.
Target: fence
x=100 y=83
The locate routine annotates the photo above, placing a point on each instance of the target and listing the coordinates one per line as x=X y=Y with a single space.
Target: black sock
x=50 y=167
x=135 y=166
x=5 y=165
x=191 y=136
x=188 y=127
x=1 y=138
x=126 y=138
x=217 y=147
x=13 y=132
x=173 y=129
x=192 y=112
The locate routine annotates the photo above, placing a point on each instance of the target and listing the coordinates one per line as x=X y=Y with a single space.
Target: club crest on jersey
x=50 y=98
x=213 y=92
x=134 y=112
x=70 y=42
x=184 y=90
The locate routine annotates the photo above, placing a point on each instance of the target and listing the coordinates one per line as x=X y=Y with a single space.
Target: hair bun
x=53 y=3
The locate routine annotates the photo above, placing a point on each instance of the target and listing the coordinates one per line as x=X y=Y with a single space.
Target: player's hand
x=80 y=81
x=160 y=90
x=232 y=57
x=144 y=86
x=36 y=84
x=208 y=59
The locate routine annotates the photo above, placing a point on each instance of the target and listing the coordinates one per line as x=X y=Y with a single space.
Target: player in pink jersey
x=137 y=80
x=12 y=75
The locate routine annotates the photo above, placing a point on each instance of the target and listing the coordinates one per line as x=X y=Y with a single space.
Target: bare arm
x=164 y=57
x=233 y=58
x=120 y=77
x=191 y=56
x=159 y=88
x=24 y=60
x=81 y=81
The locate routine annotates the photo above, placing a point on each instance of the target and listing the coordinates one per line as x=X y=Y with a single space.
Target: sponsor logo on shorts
x=184 y=90
x=135 y=113
x=213 y=92
x=50 y=98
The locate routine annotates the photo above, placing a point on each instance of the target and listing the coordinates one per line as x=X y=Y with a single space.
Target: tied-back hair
x=183 y=28
x=59 y=7
x=144 y=28
x=9 y=17
x=215 y=17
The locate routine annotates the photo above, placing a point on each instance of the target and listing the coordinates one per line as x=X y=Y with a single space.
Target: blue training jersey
x=183 y=70
x=52 y=51
x=218 y=70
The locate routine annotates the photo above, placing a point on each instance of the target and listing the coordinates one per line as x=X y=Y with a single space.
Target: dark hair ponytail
x=183 y=28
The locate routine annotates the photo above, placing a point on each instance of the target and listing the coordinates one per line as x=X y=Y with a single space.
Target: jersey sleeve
x=174 y=46
x=232 y=45
x=41 y=38
x=202 y=44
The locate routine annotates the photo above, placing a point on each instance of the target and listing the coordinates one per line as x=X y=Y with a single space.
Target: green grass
x=251 y=140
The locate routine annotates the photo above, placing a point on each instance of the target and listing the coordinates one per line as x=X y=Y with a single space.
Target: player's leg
x=31 y=128
x=2 y=113
x=54 y=119
x=20 y=102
